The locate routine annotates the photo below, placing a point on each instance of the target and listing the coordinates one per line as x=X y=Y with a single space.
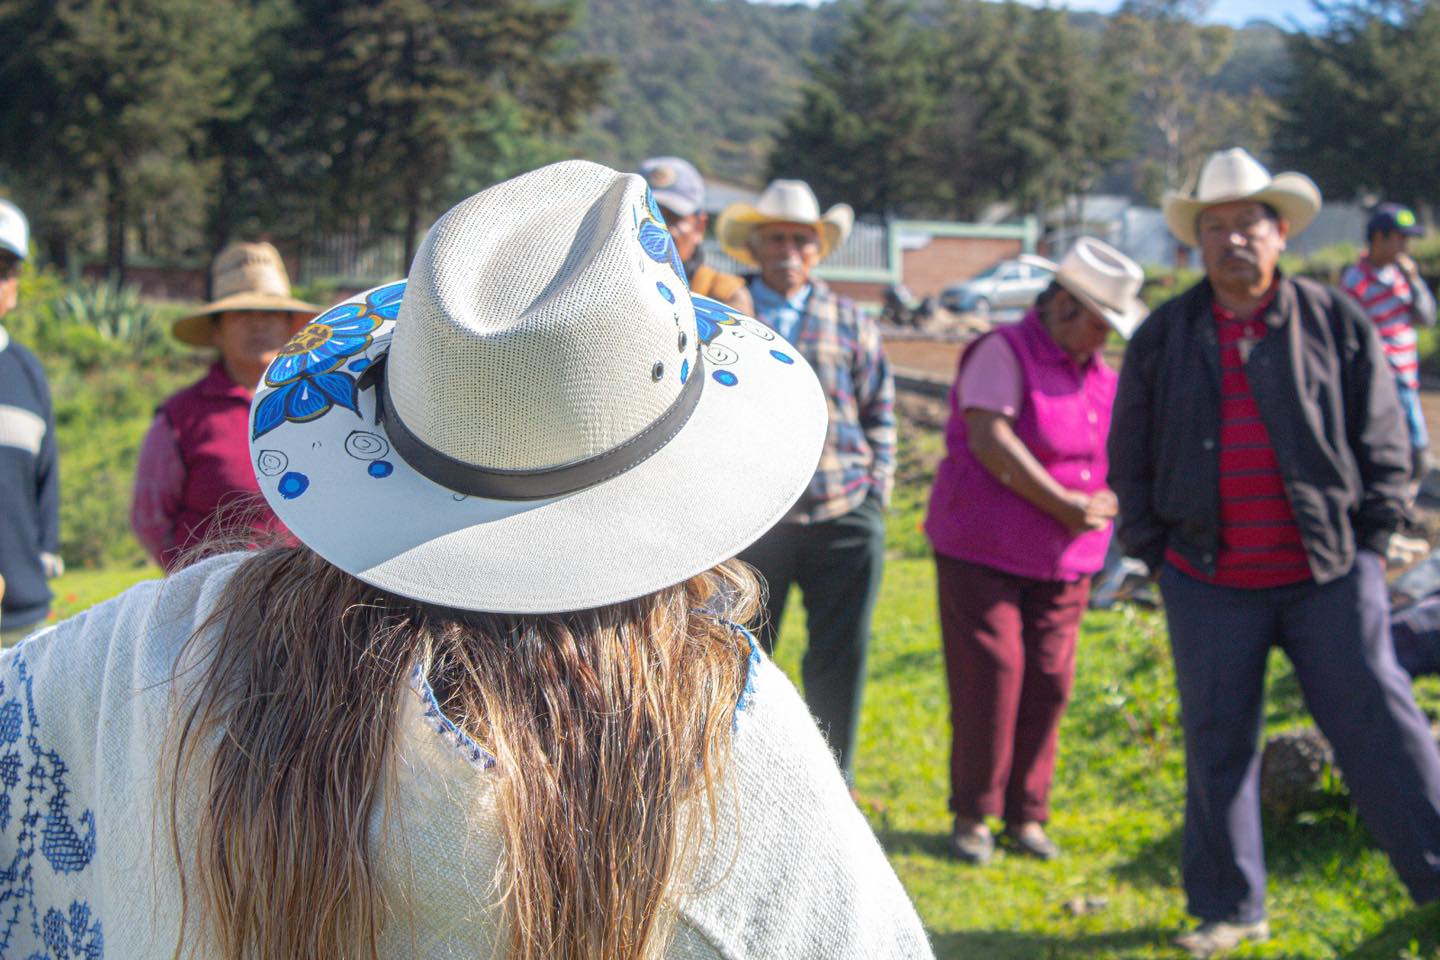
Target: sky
x=1236 y=13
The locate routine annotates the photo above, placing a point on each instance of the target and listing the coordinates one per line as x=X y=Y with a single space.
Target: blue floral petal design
x=678 y=265
x=709 y=314
x=303 y=402
x=285 y=368
x=655 y=241
x=269 y=412
x=385 y=302
x=339 y=388
x=654 y=207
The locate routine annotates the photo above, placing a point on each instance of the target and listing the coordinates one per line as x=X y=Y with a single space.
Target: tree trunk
x=115 y=215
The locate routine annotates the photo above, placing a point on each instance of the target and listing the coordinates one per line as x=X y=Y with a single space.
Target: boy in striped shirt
x=1389 y=287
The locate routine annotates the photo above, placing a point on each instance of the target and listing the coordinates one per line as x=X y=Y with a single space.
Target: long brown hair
x=610 y=730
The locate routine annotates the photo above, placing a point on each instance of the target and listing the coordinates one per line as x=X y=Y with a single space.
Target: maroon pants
x=1010 y=660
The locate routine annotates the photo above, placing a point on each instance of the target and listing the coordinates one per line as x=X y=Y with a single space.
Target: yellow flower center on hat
x=311 y=337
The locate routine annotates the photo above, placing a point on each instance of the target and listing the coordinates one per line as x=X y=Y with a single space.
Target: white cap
x=14 y=230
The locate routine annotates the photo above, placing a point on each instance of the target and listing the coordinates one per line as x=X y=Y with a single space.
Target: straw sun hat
x=1106 y=281
x=244 y=276
x=1231 y=175
x=540 y=418
x=784 y=201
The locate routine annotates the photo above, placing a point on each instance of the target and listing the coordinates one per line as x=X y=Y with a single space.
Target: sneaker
x=1030 y=838
x=972 y=844
x=1216 y=937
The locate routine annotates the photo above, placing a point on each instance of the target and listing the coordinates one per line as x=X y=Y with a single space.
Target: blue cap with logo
x=676 y=184
x=1393 y=217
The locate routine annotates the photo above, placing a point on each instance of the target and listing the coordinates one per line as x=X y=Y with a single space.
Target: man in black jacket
x=1260 y=457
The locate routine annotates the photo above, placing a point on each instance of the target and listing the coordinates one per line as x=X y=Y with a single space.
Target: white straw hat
x=244 y=276
x=784 y=201
x=1231 y=175
x=1106 y=281
x=540 y=418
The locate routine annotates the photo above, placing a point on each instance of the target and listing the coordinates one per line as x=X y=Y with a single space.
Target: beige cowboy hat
x=784 y=201
x=1106 y=281
x=1231 y=175
x=244 y=276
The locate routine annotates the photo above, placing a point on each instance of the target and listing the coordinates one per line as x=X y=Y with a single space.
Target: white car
x=1009 y=285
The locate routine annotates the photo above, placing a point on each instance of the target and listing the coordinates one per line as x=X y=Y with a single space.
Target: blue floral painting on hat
x=710 y=316
x=306 y=375
x=656 y=241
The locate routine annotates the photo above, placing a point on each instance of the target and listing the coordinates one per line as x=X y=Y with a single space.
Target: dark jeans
x=1337 y=637
x=837 y=564
x=1010 y=662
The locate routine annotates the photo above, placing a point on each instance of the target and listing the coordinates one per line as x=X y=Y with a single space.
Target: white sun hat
x=540 y=418
x=1231 y=175
x=1106 y=281
x=784 y=201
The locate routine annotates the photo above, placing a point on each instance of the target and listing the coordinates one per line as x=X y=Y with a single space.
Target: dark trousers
x=1010 y=662
x=837 y=564
x=1337 y=636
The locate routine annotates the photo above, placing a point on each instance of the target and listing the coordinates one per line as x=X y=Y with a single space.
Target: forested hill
x=710 y=79
x=705 y=79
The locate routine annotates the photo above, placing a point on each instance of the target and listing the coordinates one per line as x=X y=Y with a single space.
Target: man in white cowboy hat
x=29 y=475
x=680 y=191
x=1260 y=458
x=194 y=466
x=833 y=543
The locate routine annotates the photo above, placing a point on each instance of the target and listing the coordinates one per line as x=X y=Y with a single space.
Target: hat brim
x=1293 y=195
x=733 y=471
x=739 y=220
x=198 y=330
x=1124 y=320
x=676 y=203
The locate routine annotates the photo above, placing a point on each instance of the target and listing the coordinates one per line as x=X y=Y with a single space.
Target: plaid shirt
x=843 y=345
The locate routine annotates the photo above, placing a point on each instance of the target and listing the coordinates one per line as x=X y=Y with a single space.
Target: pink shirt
x=992 y=379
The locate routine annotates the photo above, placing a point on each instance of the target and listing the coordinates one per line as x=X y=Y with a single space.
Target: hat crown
x=1231 y=173
x=789 y=200
x=249 y=268
x=675 y=182
x=546 y=320
x=1098 y=270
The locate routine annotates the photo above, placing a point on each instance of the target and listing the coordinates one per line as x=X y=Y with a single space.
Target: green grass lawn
x=1118 y=800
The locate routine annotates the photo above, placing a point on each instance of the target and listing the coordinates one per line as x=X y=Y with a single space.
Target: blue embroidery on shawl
x=35 y=813
x=747 y=696
x=443 y=725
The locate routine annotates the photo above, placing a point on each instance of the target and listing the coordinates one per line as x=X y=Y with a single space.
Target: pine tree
x=1362 y=104
x=401 y=96
x=105 y=100
x=860 y=132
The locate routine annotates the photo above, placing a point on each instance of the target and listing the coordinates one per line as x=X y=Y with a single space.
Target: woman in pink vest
x=194 y=467
x=1020 y=518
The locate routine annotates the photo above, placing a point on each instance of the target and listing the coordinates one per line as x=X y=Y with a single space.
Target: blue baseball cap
x=676 y=184
x=1392 y=217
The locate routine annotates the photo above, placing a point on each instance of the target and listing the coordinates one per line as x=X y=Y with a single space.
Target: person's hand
x=52 y=565
x=1407 y=265
x=1082 y=514
x=1104 y=503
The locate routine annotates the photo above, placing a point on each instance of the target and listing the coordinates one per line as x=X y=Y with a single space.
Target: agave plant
x=115 y=312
